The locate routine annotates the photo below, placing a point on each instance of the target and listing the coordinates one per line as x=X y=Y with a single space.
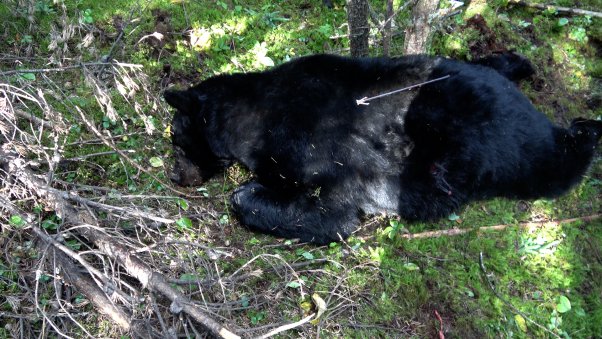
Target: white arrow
x=364 y=100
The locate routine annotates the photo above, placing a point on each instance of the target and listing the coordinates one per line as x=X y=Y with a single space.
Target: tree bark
x=359 y=30
x=387 y=28
x=419 y=31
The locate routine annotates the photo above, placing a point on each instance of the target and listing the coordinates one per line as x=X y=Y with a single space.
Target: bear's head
x=189 y=144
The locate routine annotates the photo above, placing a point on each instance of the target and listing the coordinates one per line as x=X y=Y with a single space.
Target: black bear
x=324 y=152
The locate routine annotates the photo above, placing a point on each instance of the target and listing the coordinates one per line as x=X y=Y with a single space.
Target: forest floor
x=105 y=145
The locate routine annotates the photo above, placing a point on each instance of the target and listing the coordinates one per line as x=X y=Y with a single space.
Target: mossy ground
x=377 y=284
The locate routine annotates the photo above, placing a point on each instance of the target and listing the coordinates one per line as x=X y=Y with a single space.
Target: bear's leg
x=311 y=219
x=511 y=65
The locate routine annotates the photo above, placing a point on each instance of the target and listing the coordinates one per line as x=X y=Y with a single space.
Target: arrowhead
x=362 y=101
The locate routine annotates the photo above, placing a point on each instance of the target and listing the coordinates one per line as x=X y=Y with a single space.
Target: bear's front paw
x=243 y=195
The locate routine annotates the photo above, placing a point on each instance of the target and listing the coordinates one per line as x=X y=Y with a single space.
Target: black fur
x=321 y=161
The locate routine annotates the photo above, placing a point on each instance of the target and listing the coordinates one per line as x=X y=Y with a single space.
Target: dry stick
x=557 y=8
x=287 y=327
x=133 y=265
x=88 y=287
x=111 y=208
x=156 y=281
x=84 y=284
x=458 y=231
x=65 y=68
x=35 y=120
x=507 y=303
x=68 y=252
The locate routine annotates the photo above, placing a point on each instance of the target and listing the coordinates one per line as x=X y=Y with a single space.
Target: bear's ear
x=183 y=101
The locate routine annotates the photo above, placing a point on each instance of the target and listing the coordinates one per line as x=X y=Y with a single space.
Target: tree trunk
x=418 y=32
x=387 y=28
x=357 y=16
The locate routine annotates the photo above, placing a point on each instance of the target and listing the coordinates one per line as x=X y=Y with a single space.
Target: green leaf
x=204 y=192
x=563 y=21
x=453 y=217
x=156 y=162
x=411 y=266
x=28 y=76
x=244 y=301
x=308 y=255
x=48 y=224
x=183 y=204
x=224 y=219
x=521 y=323
x=293 y=284
x=17 y=221
x=184 y=223
x=188 y=277
x=73 y=244
x=563 y=305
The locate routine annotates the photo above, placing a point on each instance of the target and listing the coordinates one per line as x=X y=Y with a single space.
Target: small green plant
x=17 y=221
x=26 y=39
x=256 y=316
x=156 y=162
x=563 y=305
x=184 y=223
x=51 y=223
x=87 y=16
x=393 y=229
x=44 y=7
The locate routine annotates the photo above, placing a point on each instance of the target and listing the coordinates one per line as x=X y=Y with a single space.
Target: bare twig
x=97 y=297
x=66 y=68
x=287 y=327
x=35 y=120
x=132 y=264
x=527 y=225
x=156 y=281
x=576 y=11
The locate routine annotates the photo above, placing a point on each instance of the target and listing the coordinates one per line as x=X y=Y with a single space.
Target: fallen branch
x=526 y=225
x=33 y=119
x=93 y=293
x=133 y=265
x=559 y=9
x=155 y=281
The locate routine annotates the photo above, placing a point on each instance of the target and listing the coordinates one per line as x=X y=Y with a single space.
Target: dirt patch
x=488 y=43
